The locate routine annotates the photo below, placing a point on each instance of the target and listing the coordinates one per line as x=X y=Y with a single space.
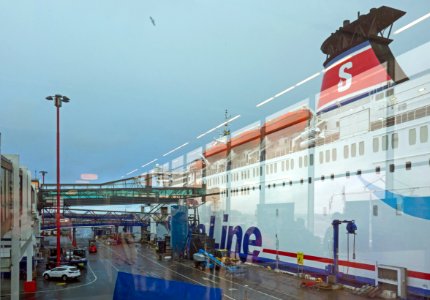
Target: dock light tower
x=58 y=100
x=43 y=176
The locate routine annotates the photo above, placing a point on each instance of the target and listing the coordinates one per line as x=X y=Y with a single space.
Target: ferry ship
x=359 y=150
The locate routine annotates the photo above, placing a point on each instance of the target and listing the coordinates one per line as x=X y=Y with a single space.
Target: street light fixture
x=43 y=176
x=58 y=100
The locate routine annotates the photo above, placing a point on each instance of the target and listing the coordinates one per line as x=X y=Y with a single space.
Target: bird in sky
x=152 y=20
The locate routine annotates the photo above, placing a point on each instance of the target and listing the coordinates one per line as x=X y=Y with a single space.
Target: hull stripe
x=345 y=263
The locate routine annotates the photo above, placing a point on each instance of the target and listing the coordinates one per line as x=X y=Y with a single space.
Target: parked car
x=72 y=259
x=63 y=272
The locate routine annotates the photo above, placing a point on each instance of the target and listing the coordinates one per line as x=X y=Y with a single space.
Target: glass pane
x=394 y=140
x=384 y=140
x=361 y=148
x=353 y=150
x=412 y=136
x=327 y=155
x=423 y=134
x=375 y=144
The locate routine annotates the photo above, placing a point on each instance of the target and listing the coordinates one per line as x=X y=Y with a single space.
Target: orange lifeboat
x=296 y=120
x=287 y=120
x=245 y=137
x=215 y=150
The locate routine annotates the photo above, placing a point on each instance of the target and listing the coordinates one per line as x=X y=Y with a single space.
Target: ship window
x=275 y=168
x=321 y=157
x=327 y=155
x=322 y=178
x=379 y=96
x=333 y=154
x=361 y=148
x=394 y=140
x=287 y=164
x=408 y=165
x=310 y=180
x=305 y=160
x=375 y=144
x=353 y=150
x=300 y=161
x=271 y=168
x=283 y=184
x=358 y=172
x=392 y=168
x=301 y=181
x=291 y=182
x=424 y=134
x=311 y=160
x=292 y=164
x=390 y=92
x=247 y=174
x=412 y=136
x=345 y=151
x=384 y=142
x=347 y=174
x=332 y=176
x=267 y=169
x=282 y=166
x=253 y=172
x=378 y=170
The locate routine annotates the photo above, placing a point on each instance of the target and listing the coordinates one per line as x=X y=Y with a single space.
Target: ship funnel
x=359 y=59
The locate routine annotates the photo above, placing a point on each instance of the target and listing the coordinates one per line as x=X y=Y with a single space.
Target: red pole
x=57 y=104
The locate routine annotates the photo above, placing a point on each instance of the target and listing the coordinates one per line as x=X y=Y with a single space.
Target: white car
x=63 y=272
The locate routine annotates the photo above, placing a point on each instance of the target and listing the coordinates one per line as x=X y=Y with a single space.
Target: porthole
x=408 y=165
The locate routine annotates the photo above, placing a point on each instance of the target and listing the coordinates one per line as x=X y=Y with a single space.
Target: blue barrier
x=132 y=286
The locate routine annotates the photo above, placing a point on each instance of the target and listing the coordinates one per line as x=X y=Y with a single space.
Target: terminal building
x=19 y=223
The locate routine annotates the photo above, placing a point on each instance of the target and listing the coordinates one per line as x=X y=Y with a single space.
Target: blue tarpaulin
x=179 y=229
x=131 y=286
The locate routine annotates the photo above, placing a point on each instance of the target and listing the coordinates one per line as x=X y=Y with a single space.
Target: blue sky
x=138 y=90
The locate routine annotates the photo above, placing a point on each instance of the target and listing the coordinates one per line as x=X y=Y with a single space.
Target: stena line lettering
x=244 y=241
x=344 y=84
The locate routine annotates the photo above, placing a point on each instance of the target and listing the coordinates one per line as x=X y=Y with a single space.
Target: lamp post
x=58 y=100
x=43 y=176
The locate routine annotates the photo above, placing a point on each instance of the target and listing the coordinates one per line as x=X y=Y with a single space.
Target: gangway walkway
x=93 y=218
x=120 y=192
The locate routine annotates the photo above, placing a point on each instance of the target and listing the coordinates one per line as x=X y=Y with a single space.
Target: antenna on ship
x=226 y=131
